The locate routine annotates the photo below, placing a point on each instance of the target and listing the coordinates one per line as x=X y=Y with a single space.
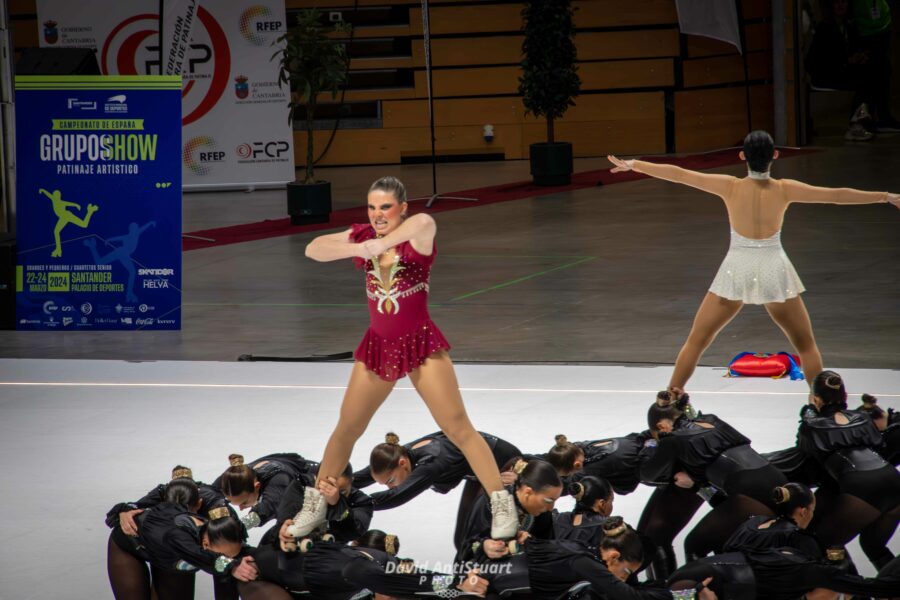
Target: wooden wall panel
x=22 y=7
x=24 y=33
x=507 y=49
x=630 y=13
x=726 y=69
x=657 y=72
x=458 y=111
x=717 y=118
x=451 y=52
x=488 y=18
x=484 y=81
x=599 y=138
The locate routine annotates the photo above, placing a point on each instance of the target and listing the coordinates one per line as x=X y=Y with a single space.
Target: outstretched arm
x=335 y=246
x=797 y=191
x=708 y=182
x=146 y=226
x=418 y=230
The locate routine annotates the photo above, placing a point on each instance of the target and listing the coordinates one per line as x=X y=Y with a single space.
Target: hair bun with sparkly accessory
x=519 y=466
x=561 y=441
x=834 y=381
x=218 y=513
x=663 y=399
x=392 y=438
x=236 y=460
x=390 y=544
x=781 y=495
x=182 y=472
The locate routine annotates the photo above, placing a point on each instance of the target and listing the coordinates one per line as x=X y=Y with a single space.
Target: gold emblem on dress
x=386 y=293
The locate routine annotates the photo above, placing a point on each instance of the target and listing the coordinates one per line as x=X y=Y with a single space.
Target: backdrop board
x=236 y=133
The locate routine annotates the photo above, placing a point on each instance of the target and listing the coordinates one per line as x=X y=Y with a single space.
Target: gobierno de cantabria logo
x=200 y=152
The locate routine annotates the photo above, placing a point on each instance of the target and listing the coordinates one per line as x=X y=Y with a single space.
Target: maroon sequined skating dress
x=401 y=335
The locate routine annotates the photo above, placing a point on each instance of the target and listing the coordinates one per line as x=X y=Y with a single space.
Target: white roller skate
x=312 y=515
x=504 y=517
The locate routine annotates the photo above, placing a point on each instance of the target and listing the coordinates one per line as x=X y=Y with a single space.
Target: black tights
x=715 y=528
x=262 y=590
x=131 y=580
x=668 y=511
x=471 y=490
x=840 y=517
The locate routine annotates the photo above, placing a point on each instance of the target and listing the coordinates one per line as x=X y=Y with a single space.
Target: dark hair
x=587 y=491
x=183 y=491
x=378 y=540
x=238 y=478
x=563 y=454
x=391 y=185
x=618 y=535
x=870 y=406
x=227 y=530
x=386 y=456
x=182 y=472
x=829 y=387
x=791 y=496
x=759 y=150
x=538 y=475
x=666 y=406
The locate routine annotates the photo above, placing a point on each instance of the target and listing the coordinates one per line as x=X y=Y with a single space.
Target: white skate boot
x=504 y=517
x=311 y=516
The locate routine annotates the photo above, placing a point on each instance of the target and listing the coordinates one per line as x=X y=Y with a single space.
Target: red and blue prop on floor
x=754 y=364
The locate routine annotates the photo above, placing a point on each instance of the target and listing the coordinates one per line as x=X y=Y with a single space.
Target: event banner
x=236 y=132
x=98 y=189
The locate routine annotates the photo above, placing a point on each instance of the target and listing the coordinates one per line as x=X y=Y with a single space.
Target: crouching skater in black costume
x=705 y=452
x=260 y=485
x=331 y=571
x=593 y=504
x=795 y=506
x=177 y=542
x=778 y=574
x=432 y=461
x=561 y=569
x=536 y=490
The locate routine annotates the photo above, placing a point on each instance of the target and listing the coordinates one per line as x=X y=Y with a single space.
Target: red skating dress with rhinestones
x=401 y=335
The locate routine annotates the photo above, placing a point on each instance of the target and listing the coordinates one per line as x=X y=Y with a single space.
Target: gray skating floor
x=77 y=436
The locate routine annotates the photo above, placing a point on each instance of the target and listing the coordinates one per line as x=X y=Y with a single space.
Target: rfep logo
x=257 y=25
x=200 y=153
x=132 y=48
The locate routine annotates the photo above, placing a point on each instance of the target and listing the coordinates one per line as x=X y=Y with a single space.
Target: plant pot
x=309 y=203
x=551 y=164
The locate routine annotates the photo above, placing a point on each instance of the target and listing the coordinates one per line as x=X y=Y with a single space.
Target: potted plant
x=310 y=62
x=549 y=82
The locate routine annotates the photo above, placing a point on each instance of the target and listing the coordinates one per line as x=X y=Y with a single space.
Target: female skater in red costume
x=397 y=253
x=756 y=270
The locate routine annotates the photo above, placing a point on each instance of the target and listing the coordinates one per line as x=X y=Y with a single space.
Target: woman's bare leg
x=713 y=315
x=436 y=382
x=365 y=393
x=794 y=321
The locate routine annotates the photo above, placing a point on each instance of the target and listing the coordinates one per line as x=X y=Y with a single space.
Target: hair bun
x=663 y=399
x=392 y=438
x=577 y=491
x=614 y=527
x=834 y=381
x=236 y=460
x=869 y=400
x=781 y=494
x=182 y=472
x=561 y=440
x=519 y=466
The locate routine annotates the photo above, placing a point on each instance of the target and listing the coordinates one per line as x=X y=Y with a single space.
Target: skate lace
x=500 y=508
